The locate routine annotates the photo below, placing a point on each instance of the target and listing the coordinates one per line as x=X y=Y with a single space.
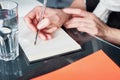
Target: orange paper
x=97 y=66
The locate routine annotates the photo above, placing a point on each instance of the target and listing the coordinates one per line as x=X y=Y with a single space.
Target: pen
x=41 y=17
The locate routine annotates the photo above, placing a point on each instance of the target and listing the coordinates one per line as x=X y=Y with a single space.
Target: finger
x=78 y=12
x=42 y=36
x=43 y=24
x=81 y=27
x=73 y=20
x=51 y=29
x=91 y=31
x=79 y=22
x=30 y=24
x=84 y=27
x=31 y=14
x=31 y=20
x=45 y=36
x=49 y=36
x=72 y=25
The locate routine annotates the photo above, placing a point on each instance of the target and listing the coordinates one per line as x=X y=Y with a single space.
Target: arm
x=78 y=4
x=113 y=36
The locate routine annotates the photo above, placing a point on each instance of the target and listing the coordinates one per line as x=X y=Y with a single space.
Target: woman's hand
x=86 y=22
x=52 y=20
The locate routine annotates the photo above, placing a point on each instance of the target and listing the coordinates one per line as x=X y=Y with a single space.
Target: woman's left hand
x=86 y=22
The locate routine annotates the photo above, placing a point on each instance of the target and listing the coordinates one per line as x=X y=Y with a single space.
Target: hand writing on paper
x=53 y=19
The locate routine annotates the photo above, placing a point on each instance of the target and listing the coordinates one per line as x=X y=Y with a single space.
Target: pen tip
x=35 y=43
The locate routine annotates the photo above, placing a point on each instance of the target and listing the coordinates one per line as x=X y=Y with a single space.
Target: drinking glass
x=9 y=48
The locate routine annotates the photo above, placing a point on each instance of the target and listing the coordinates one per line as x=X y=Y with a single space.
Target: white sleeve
x=105 y=7
x=113 y=5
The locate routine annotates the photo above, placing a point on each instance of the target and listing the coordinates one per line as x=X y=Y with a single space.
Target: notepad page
x=60 y=44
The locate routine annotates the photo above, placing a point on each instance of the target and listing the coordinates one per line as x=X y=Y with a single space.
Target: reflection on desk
x=10 y=70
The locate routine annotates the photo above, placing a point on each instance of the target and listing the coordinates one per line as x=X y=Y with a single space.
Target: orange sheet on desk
x=97 y=66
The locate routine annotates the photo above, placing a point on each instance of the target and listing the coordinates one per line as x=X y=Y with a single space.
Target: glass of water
x=9 y=48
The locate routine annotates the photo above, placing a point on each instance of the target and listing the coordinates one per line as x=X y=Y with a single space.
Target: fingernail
x=65 y=9
x=44 y=23
x=49 y=37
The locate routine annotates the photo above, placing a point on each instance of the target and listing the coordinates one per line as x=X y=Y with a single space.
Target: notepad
x=97 y=66
x=61 y=43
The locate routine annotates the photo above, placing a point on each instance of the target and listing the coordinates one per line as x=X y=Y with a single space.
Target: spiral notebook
x=61 y=44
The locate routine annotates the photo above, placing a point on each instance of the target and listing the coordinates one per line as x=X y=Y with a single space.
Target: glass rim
x=16 y=4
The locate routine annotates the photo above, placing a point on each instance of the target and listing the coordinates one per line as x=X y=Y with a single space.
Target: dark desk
x=20 y=69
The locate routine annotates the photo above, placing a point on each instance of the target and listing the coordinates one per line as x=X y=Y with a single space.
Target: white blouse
x=113 y=5
x=105 y=7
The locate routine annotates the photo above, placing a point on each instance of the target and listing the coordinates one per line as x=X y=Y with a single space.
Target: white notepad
x=60 y=44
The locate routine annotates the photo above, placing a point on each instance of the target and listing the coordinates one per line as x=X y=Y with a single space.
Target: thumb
x=75 y=11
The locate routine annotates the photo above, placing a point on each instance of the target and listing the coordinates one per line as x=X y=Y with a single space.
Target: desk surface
x=20 y=69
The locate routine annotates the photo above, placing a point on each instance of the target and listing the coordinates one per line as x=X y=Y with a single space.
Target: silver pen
x=41 y=17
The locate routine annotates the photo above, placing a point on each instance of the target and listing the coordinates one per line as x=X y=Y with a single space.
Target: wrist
x=103 y=31
x=64 y=17
x=110 y=35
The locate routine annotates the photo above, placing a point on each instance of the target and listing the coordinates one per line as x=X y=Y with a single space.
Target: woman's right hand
x=52 y=20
